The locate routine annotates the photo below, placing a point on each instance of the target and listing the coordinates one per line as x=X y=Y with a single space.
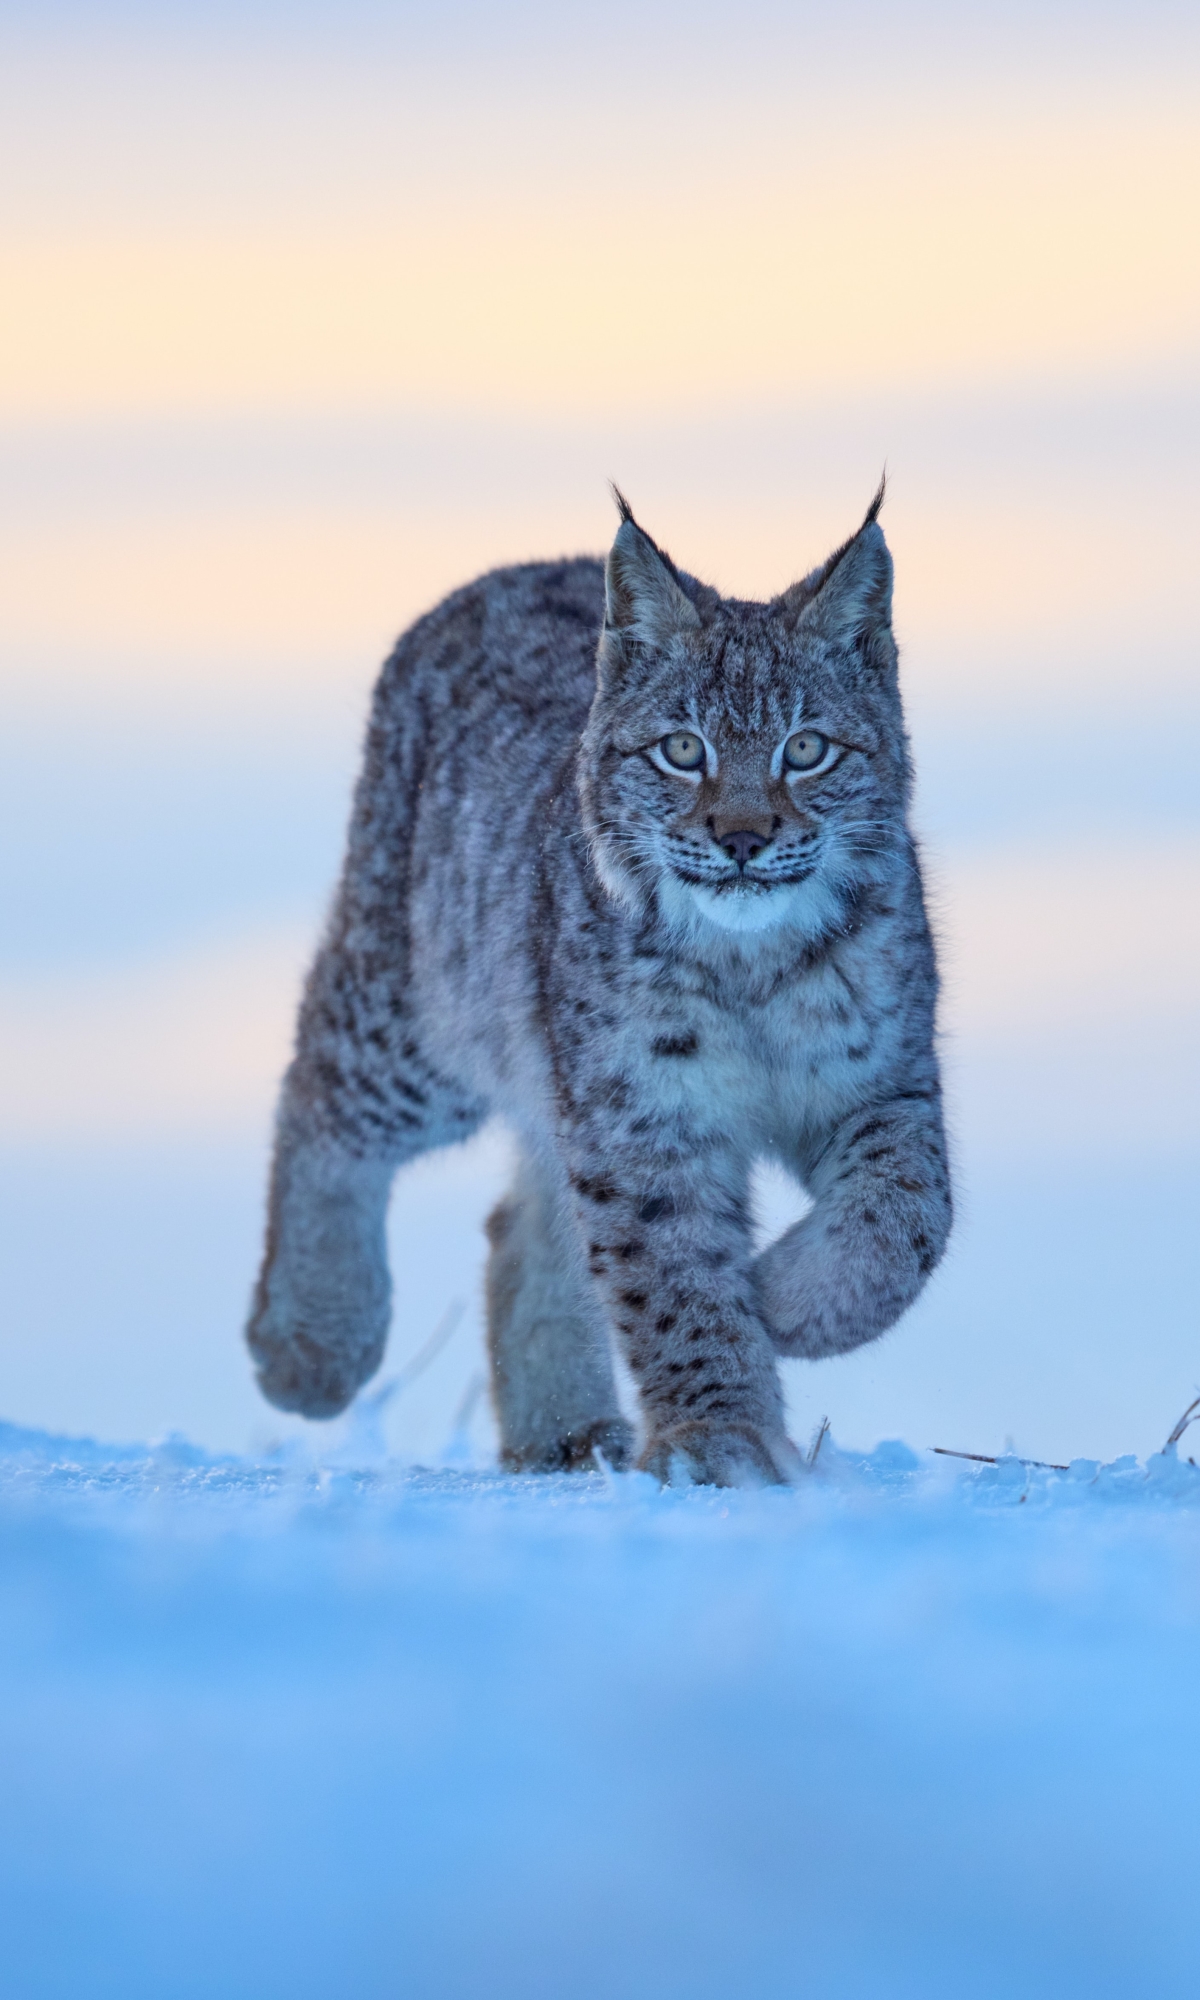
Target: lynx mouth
x=749 y=886
x=725 y=885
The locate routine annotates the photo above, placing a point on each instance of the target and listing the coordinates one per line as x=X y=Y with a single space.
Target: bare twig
x=818 y=1441
x=1190 y=1416
x=981 y=1458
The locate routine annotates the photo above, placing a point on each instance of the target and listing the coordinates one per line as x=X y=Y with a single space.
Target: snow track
x=269 y=1728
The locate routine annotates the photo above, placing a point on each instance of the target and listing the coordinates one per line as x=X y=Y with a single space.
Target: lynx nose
x=743 y=844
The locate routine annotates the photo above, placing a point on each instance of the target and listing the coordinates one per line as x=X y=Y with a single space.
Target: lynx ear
x=642 y=598
x=849 y=598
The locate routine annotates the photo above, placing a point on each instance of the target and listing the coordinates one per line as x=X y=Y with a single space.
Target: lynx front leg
x=668 y=1244
x=552 y=1375
x=879 y=1223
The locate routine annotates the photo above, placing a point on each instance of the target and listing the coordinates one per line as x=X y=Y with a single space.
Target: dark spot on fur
x=664 y=1322
x=636 y=1300
x=597 y=1191
x=657 y=1209
x=674 y=1045
x=626 y=1251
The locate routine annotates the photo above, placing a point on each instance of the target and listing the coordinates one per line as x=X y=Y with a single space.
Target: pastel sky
x=308 y=315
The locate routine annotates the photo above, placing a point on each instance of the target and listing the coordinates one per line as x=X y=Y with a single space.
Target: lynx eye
x=805 y=750
x=683 y=749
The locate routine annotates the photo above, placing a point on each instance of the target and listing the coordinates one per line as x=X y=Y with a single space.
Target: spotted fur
x=655 y=976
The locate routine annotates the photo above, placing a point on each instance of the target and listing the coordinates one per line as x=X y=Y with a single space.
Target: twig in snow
x=818 y=1441
x=981 y=1458
x=1190 y=1416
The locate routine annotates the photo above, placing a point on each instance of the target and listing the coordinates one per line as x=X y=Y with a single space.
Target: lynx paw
x=576 y=1451
x=316 y=1378
x=698 y=1454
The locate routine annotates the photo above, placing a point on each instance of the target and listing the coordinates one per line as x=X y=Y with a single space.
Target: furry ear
x=849 y=598
x=642 y=596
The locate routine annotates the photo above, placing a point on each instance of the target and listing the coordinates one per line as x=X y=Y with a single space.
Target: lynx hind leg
x=552 y=1373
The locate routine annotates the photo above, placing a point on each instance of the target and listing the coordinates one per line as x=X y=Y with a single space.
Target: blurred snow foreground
x=278 y=1727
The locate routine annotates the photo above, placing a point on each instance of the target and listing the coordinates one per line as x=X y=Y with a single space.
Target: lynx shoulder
x=629 y=866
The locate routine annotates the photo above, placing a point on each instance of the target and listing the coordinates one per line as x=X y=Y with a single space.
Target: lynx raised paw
x=611 y=1439
x=699 y=1454
x=314 y=1377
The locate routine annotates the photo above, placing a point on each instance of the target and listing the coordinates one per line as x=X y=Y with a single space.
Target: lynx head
x=744 y=765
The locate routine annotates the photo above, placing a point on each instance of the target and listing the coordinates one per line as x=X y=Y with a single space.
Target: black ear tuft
x=629 y=518
x=872 y=513
x=623 y=507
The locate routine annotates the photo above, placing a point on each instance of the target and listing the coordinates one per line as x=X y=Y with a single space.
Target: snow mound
x=285 y=1726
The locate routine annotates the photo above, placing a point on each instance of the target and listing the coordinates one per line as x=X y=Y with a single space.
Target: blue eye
x=805 y=750
x=683 y=749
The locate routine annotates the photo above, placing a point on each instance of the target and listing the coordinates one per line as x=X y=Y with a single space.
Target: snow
x=321 y=1723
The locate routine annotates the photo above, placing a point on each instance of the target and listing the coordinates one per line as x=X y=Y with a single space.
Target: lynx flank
x=629 y=866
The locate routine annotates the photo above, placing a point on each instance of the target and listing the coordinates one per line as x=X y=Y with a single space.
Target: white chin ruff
x=744 y=909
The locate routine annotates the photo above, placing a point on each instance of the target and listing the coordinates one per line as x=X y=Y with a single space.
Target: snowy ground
x=275 y=1727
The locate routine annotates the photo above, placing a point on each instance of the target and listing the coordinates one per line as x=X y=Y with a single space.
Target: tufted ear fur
x=642 y=595
x=847 y=600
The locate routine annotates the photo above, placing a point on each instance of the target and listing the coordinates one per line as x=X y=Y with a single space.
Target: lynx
x=629 y=866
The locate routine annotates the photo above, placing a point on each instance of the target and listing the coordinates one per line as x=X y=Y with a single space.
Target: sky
x=309 y=316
